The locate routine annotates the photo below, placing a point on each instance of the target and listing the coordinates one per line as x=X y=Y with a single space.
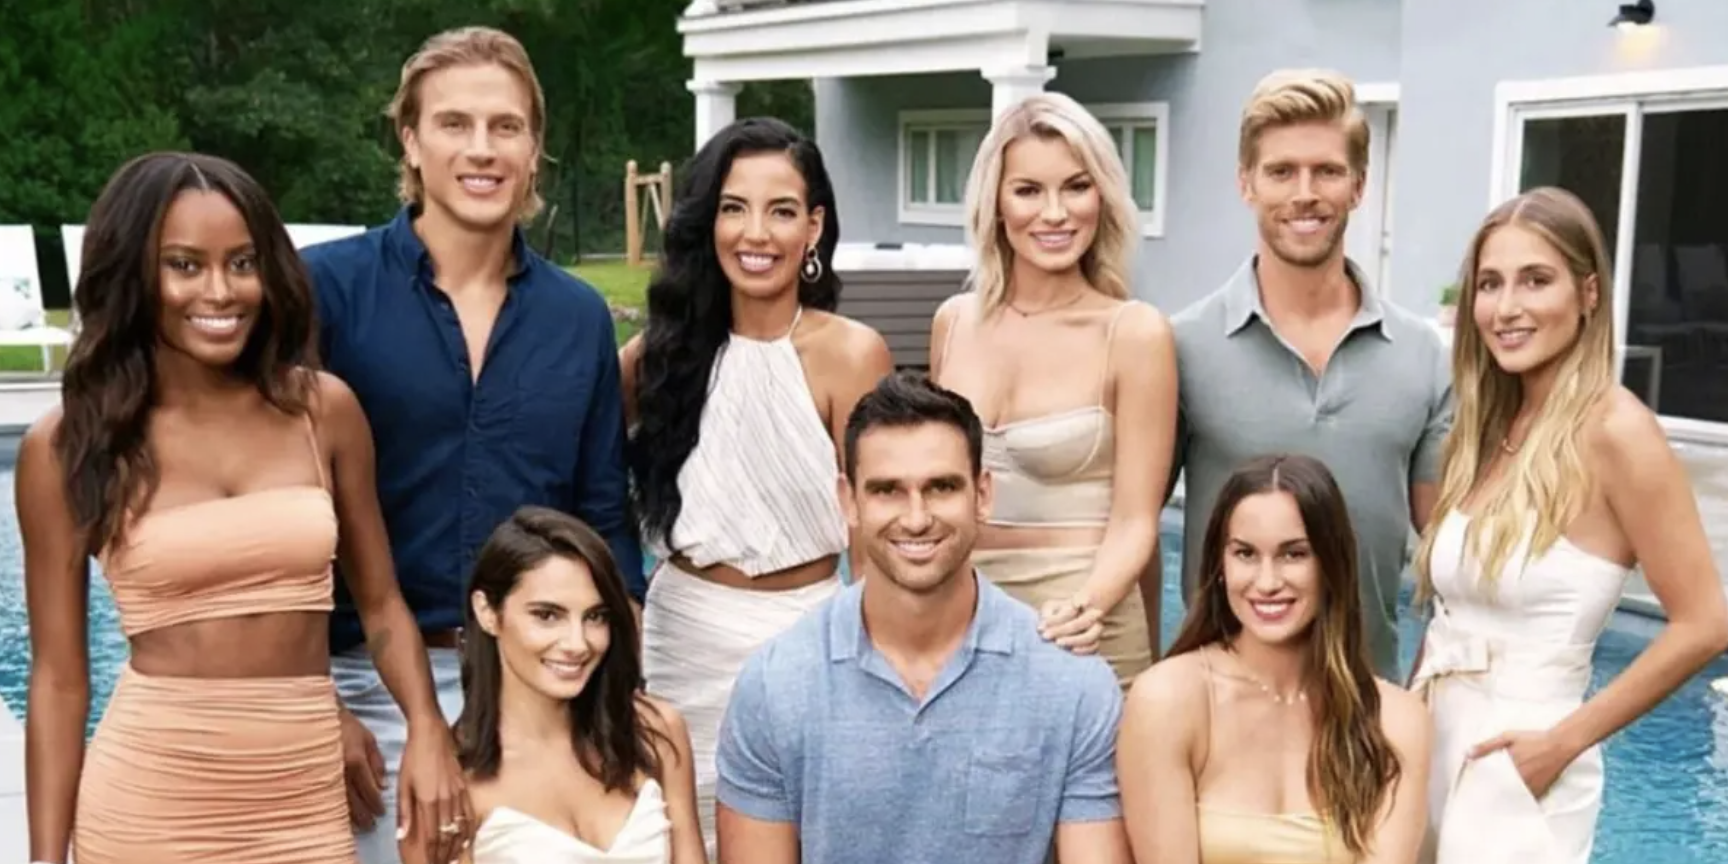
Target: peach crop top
x=1233 y=836
x=258 y=552
x=1055 y=470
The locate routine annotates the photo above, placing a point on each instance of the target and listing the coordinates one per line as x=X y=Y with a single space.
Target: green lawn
x=28 y=358
x=626 y=291
x=625 y=288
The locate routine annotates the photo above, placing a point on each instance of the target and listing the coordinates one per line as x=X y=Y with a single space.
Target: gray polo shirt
x=1013 y=736
x=1377 y=417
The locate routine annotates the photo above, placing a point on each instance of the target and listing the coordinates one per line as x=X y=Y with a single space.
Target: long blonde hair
x=1547 y=479
x=1107 y=265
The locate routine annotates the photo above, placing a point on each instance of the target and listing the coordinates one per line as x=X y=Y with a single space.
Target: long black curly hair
x=690 y=307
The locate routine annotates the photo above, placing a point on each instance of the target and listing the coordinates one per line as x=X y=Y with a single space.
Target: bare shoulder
x=334 y=399
x=1142 y=326
x=1403 y=717
x=849 y=342
x=631 y=353
x=37 y=444
x=953 y=305
x=663 y=717
x=673 y=743
x=1623 y=435
x=1169 y=688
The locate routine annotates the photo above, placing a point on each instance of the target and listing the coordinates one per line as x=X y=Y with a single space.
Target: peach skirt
x=207 y=770
x=1034 y=575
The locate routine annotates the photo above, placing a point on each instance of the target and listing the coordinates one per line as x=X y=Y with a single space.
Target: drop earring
x=811 y=269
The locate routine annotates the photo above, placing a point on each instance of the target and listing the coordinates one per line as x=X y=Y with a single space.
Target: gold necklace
x=1051 y=308
x=1301 y=694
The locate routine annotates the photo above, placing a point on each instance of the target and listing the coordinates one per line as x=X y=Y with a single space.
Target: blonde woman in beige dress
x=1074 y=379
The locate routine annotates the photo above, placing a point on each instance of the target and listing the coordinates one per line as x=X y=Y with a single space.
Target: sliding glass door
x=1654 y=171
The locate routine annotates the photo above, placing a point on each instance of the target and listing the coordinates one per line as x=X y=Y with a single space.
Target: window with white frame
x=1651 y=169
x=936 y=153
x=937 y=149
x=1139 y=130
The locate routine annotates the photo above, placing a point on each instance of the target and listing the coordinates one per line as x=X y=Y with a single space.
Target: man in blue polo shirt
x=490 y=378
x=918 y=717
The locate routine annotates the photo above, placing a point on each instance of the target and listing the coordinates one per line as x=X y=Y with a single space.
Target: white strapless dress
x=513 y=837
x=1515 y=659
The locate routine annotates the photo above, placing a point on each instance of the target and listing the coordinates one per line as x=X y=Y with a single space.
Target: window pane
x=1582 y=155
x=1677 y=311
x=1143 y=173
x=955 y=150
x=918 y=167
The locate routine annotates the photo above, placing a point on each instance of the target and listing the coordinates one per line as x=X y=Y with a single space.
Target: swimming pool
x=1667 y=799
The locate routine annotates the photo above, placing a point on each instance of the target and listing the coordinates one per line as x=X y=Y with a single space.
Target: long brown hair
x=1351 y=764
x=109 y=385
x=1548 y=479
x=612 y=739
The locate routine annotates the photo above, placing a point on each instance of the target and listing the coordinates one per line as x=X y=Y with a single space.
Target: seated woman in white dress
x=1556 y=482
x=1264 y=735
x=568 y=761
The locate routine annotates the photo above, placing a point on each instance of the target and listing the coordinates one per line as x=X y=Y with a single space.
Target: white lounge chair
x=23 y=318
x=306 y=235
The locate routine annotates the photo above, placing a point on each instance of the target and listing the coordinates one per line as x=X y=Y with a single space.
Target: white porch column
x=1012 y=84
x=716 y=107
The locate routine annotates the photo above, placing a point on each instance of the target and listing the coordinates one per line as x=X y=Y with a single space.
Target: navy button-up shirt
x=543 y=424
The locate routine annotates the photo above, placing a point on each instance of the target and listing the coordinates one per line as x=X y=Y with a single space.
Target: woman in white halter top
x=738 y=393
x=1556 y=484
x=569 y=763
x=1075 y=381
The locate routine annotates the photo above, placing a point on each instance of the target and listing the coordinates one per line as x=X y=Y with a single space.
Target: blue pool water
x=1667 y=798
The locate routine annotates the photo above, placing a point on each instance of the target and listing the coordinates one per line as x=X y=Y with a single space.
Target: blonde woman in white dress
x=568 y=761
x=1556 y=484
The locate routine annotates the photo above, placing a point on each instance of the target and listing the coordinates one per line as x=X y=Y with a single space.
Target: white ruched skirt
x=696 y=635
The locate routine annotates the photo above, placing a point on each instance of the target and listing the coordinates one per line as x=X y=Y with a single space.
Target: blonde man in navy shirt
x=489 y=375
x=918 y=716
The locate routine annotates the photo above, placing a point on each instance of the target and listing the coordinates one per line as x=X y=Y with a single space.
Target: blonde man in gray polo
x=1297 y=352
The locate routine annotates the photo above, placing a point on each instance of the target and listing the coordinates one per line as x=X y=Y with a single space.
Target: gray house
x=1470 y=101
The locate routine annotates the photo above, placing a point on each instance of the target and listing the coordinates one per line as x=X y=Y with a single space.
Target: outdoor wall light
x=1634 y=14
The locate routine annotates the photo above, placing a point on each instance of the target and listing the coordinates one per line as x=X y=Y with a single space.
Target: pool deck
x=14 y=828
x=21 y=403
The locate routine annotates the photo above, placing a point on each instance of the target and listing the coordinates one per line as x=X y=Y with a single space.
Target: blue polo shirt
x=544 y=424
x=1014 y=736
